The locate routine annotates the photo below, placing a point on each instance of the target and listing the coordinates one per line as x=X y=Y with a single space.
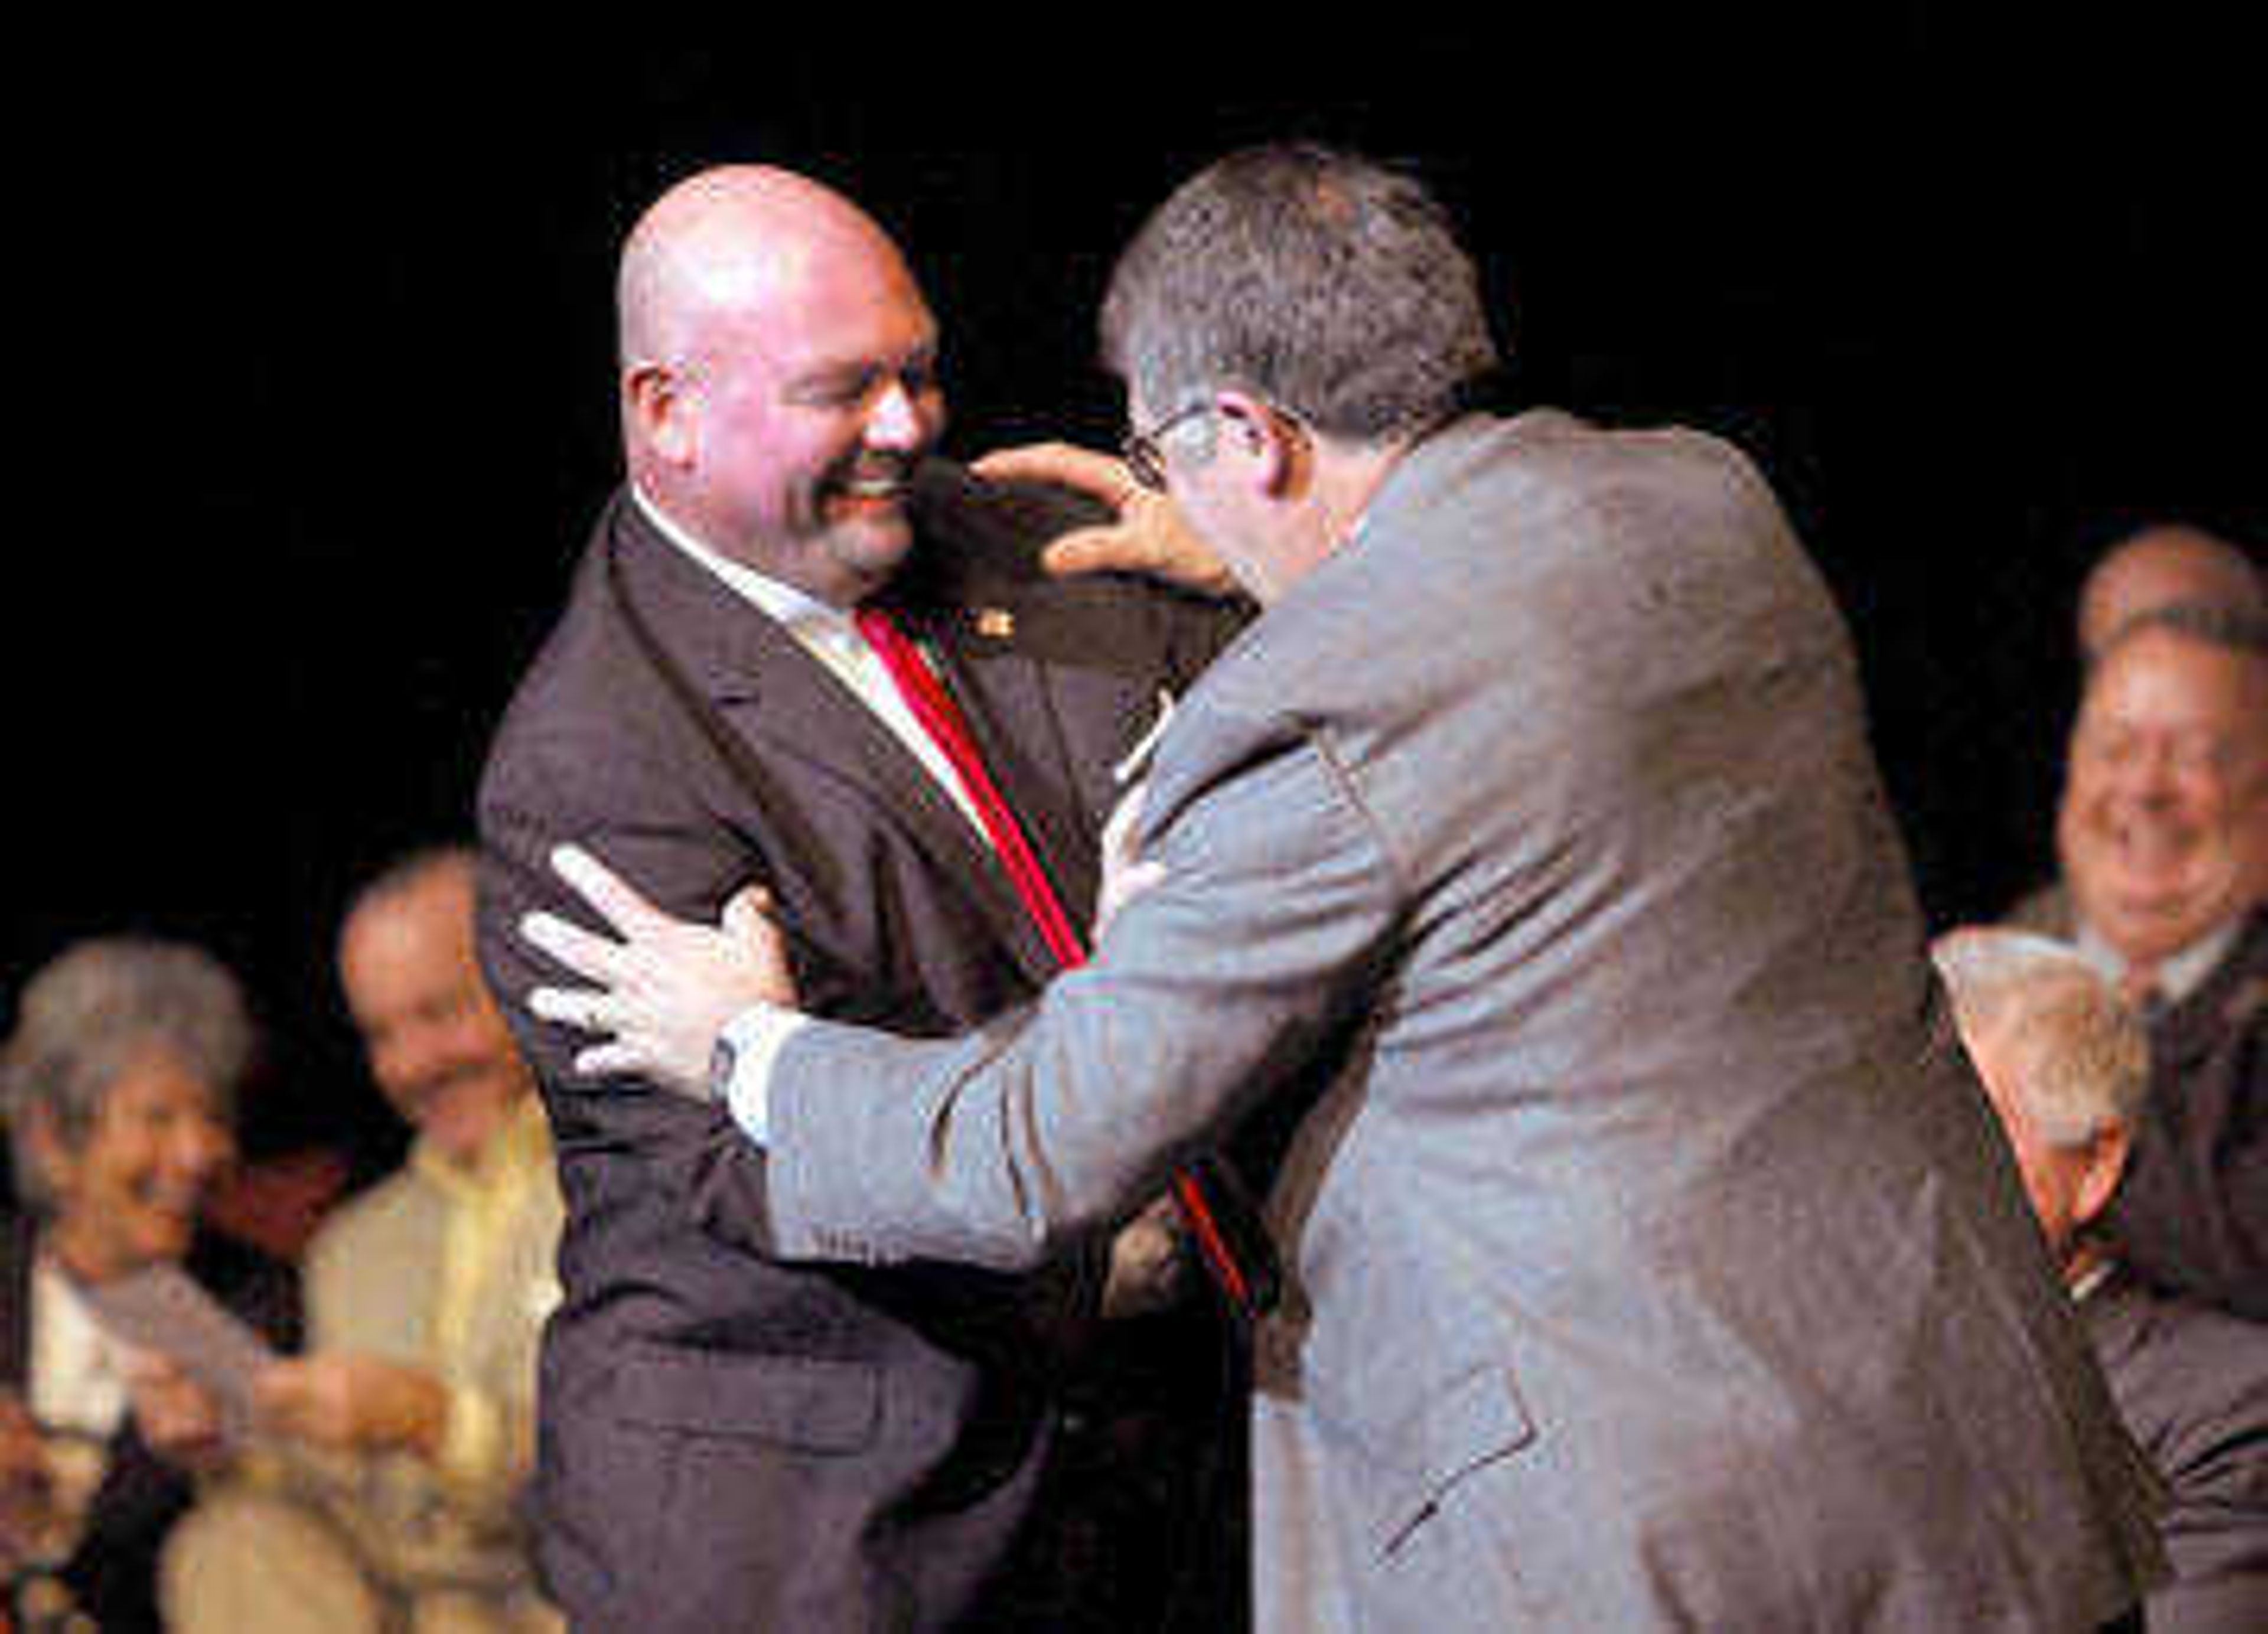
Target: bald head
x=729 y=239
x=2164 y=566
x=780 y=378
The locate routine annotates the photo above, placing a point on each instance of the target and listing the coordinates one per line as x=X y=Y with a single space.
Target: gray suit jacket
x=1657 y=1263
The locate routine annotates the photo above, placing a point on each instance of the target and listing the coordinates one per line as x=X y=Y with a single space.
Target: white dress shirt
x=78 y=1374
x=828 y=634
x=2175 y=977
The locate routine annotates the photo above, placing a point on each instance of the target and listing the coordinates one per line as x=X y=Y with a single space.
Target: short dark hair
x=1330 y=284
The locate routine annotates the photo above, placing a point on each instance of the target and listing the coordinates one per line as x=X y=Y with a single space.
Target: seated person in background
x=2066 y=1065
x=412 y=1412
x=119 y=1081
x=2161 y=566
x=2167 y=565
x=2163 y=837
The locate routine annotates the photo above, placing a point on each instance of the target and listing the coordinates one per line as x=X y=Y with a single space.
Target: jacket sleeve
x=533 y=800
x=1208 y=995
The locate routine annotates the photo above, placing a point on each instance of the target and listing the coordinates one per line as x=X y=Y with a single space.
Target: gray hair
x=1328 y=284
x=95 y=1011
x=2081 y=1058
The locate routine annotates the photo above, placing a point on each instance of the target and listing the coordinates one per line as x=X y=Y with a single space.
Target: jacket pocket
x=1472 y=1422
x=803 y=1403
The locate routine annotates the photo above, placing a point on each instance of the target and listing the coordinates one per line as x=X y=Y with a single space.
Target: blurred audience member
x=426 y=1294
x=2065 y=1064
x=2163 y=837
x=2164 y=565
x=119 y=1080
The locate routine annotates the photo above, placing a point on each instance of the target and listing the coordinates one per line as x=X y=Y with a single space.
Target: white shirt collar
x=783 y=603
x=2175 y=977
x=830 y=636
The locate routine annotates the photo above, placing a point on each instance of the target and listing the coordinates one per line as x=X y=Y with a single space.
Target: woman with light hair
x=119 y=1083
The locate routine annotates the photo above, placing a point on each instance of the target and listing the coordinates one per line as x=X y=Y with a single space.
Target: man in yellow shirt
x=409 y=1419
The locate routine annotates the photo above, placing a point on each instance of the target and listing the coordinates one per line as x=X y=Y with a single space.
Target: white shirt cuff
x=752 y=1039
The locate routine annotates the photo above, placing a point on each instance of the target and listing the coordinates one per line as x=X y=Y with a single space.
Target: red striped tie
x=940 y=716
x=933 y=707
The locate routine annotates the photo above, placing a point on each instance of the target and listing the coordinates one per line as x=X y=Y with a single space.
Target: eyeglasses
x=1145 y=461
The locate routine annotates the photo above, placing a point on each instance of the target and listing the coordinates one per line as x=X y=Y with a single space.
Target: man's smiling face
x=2164 y=824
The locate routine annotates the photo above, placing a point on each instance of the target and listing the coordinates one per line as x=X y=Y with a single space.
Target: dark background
x=317 y=340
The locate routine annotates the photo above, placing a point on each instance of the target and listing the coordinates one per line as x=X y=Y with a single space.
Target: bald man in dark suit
x=729 y=1442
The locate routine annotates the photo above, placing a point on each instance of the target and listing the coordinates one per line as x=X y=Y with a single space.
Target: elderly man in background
x=2164 y=565
x=2167 y=565
x=2163 y=838
x=410 y=1420
x=2066 y=1065
x=119 y=1082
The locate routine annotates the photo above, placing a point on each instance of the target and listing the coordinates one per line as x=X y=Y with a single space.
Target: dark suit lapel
x=787 y=706
x=2231 y=999
x=1012 y=713
x=2115 y=1315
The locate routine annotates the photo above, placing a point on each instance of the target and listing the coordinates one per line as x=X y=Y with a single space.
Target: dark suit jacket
x=2192 y=1213
x=727 y=1442
x=113 y=1575
x=2192 y=1384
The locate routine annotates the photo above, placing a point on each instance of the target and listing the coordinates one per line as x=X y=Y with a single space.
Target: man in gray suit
x=1654 y=1261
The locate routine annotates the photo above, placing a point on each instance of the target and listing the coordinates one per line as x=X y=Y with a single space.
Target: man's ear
x=1272 y=445
x=658 y=411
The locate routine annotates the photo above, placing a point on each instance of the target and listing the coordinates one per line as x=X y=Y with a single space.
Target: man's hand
x=352 y=1402
x=1125 y=876
x=179 y=1418
x=665 y=990
x=1149 y=537
x=1149 y=1263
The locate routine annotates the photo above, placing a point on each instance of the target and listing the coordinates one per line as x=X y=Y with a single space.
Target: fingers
x=589 y=1009
x=1140 y=878
x=1149 y=539
x=1097 y=550
x=749 y=915
x=609 y=894
x=1120 y=829
x=587 y=954
x=616 y=1058
x=1065 y=464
